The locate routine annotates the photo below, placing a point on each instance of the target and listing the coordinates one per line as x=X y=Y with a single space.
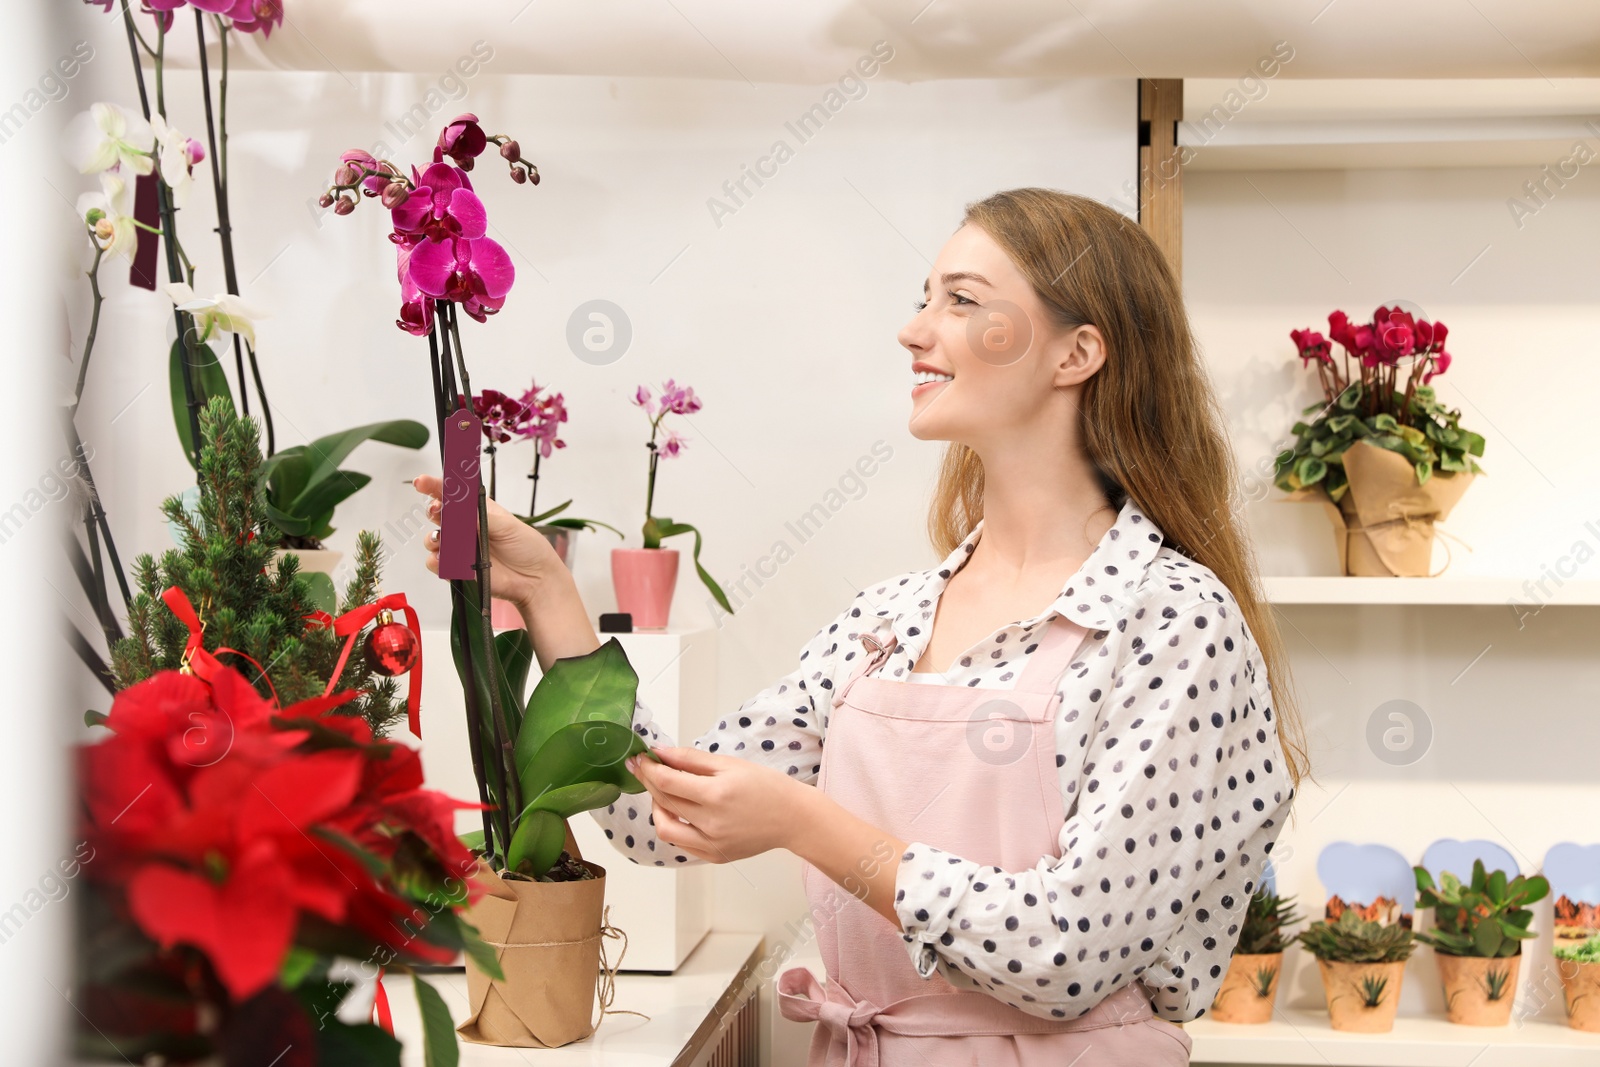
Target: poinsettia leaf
x=439 y=1048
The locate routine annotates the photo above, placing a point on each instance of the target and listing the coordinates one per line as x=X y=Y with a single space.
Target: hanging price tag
x=458 y=519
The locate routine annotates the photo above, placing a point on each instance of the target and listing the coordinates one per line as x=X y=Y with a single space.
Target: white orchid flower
x=109 y=213
x=225 y=312
x=105 y=137
x=177 y=157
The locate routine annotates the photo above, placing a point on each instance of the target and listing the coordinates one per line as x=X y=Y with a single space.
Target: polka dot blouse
x=1170 y=769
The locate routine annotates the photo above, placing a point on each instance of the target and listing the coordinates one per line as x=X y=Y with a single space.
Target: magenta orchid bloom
x=679 y=401
x=416 y=307
x=247 y=16
x=545 y=416
x=673 y=445
x=502 y=416
x=442 y=205
x=463 y=141
x=476 y=274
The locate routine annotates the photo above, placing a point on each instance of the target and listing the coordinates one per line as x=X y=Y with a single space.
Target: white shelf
x=1498 y=592
x=684 y=1010
x=1304 y=1037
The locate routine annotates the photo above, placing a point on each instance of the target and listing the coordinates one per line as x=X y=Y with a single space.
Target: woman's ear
x=1081 y=354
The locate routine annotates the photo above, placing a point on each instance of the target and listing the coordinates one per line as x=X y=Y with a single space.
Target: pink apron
x=917 y=761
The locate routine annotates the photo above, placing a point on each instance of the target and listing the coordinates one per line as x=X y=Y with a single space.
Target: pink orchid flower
x=441 y=206
x=477 y=274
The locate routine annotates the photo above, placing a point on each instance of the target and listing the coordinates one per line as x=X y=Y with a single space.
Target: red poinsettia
x=227 y=824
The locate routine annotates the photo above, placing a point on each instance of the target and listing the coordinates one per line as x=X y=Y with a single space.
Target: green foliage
x=305 y=483
x=547 y=518
x=246 y=602
x=1264 y=920
x=658 y=527
x=439 y=1048
x=1486 y=917
x=1262 y=981
x=1587 y=952
x=1373 y=986
x=1353 y=939
x=207 y=379
x=1420 y=428
x=1496 y=980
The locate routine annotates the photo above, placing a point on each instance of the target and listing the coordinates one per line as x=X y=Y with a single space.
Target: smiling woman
x=1058 y=828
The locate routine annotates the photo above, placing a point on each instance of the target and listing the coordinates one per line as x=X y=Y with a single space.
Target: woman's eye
x=919 y=304
x=959 y=299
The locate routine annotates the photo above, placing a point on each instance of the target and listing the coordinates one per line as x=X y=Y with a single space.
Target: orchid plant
x=534 y=416
x=540 y=764
x=1377 y=391
x=666 y=442
x=145 y=169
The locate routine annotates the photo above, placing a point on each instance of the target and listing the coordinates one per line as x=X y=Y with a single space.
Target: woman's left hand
x=719 y=808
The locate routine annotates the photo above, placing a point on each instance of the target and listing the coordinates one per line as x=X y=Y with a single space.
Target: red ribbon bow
x=201 y=663
x=351 y=623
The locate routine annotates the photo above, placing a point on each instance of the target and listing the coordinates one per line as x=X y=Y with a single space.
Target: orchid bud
x=93 y=216
x=395 y=194
x=511 y=151
x=345 y=175
x=533 y=175
x=325 y=200
x=343 y=206
x=193 y=151
x=103 y=230
x=518 y=175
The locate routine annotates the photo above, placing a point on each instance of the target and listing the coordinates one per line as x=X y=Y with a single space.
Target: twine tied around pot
x=606 y=979
x=1426 y=522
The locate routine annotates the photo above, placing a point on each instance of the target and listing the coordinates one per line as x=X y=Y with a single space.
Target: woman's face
x=986 y=358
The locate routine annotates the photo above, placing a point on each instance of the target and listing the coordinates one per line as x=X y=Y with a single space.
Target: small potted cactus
x=1477 y=935
x=1579 y=967
x=1251 y=985
x=1362 y=965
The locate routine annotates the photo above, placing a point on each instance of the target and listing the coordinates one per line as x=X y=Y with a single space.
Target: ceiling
x=820 y=40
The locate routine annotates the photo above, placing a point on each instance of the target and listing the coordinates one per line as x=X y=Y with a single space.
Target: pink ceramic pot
x=644 y=579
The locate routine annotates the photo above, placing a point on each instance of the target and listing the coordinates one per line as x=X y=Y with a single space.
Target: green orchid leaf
x=323 y=495
x=207 y=379
x=439 y=1048
x=326 y=453
x=515 y=649
x=511 y=702
x=536 y=844
x=534 y=520
x=669 y=528
x=583 y=752
x=322 y=592
x=570 y=800
x=600 y=685
x=286 y=473
x=473 y=839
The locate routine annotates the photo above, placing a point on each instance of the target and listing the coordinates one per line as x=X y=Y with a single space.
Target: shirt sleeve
x=1180 y=797
x=780 y=727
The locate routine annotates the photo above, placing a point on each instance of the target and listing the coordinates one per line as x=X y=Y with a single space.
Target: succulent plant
x=1352 y=939
x=1487 y=917
x=1264 y=920
x=1584 y=952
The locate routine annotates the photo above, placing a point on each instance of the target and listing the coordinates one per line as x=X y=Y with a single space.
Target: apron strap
x=874 y=657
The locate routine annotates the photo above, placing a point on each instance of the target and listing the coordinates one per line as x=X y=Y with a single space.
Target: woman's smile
x=927 y=378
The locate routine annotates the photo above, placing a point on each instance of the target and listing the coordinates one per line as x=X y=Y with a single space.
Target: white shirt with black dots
x=1171 y=773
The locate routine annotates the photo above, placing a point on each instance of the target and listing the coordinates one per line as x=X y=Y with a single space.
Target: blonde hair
x=1151 y=422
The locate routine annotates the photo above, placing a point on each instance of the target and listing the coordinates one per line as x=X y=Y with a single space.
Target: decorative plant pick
x=674 y=400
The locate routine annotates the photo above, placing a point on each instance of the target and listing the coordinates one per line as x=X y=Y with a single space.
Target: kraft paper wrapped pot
x=1467 y=983
x=1580 y=986
x=1347 y=1007
x=1383 y=526
x=548 y=938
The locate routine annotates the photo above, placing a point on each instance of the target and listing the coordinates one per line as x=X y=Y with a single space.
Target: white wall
x=1510 y=708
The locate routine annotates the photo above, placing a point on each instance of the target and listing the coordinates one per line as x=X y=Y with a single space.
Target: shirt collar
x=1099 y=592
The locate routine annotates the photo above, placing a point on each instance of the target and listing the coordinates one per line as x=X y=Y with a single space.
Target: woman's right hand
x=521 y=559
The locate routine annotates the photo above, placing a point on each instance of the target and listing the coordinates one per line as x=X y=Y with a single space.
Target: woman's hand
x=734 y=808
x=520 y=557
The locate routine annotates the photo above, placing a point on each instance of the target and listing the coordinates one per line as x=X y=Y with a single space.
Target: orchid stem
x=533 y=498
x=94 y=327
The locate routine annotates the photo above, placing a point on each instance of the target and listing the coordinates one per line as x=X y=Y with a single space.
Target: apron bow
x=801 y=998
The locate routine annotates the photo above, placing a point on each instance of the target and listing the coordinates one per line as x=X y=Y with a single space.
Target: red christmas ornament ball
x=391 y=648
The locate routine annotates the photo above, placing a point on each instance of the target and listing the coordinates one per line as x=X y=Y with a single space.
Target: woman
x=1055 y=766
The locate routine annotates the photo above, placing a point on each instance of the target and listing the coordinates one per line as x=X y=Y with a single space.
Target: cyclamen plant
x=674 y=400
x=1378 y=391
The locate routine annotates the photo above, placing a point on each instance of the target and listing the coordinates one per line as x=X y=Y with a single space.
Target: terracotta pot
x=1467 y=985
x=1581 y=984
x=1347 y=1006
x=644 y=579
x=547 y=937
x=1383 y=525
x=1240 y=999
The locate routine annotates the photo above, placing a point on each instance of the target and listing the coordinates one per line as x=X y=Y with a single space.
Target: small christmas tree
x=225 y=569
